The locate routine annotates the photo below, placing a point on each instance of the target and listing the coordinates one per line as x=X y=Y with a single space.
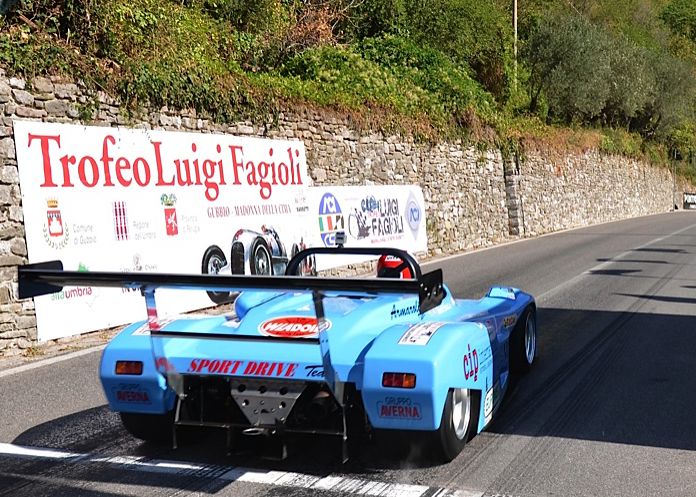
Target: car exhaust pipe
x=256 y=431
x=320 y=406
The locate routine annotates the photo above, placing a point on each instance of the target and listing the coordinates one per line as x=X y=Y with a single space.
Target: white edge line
x=437 y=260
x=51 y=360
x=617 y=259
x=333 y=483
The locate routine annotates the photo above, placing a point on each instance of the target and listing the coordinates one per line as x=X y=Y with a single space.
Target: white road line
x=515 y=241
x=332 y=483
x=549 y=293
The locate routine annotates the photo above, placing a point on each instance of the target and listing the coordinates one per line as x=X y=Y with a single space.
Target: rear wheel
x=523 y=342
x=155 y=428
x=458 y=425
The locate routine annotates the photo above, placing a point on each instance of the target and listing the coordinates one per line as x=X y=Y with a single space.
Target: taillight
x=129 y=367
x=399 y=380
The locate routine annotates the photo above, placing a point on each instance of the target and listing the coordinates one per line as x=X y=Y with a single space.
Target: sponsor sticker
x=399 y=408
x=292 y=327
x=400 y=312
x=488 y=405
x=509 y=321
x=471 y=364
x=419 y=334
x=243 y=368
x=314 y=371
x=131 y=393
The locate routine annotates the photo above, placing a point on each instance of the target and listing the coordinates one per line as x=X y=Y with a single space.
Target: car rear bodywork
x=309 y=355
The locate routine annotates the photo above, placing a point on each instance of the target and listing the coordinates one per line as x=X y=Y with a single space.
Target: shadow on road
x=610 y=377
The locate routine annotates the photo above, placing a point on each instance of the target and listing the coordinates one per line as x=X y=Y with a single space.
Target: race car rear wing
x=49 y=277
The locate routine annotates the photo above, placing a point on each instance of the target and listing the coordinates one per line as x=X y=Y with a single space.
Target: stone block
x=66 y=90
x=24 y=322
x=12 y=333
x=7 y=148
x=30 y=113
x=10 y=260
x=57 y=108
x=5 y=296
x=42 y=85
x=23 y=97
x=16 y=213
x=10 y=230
x=20 y=84
x=19 y=246
x=5 y=195
x=9 y=175
x=5 y=92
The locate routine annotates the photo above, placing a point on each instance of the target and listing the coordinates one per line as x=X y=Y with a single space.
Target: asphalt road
x=608 y=410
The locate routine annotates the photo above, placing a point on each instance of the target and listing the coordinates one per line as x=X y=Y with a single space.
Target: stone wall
x=474 y=199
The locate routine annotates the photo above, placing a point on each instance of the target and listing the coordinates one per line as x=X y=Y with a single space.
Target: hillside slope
x=621 y=73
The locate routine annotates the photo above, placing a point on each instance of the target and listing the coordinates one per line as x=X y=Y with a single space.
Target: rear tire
x=523 y=342
x=458 y=425
x=154 y=428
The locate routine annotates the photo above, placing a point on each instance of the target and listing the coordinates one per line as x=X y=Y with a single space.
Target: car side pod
x=442 y=356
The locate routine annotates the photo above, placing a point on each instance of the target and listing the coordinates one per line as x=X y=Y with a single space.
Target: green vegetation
x=617 y=75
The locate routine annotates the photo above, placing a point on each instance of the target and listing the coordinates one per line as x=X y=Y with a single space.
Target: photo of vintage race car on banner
x=256 y=253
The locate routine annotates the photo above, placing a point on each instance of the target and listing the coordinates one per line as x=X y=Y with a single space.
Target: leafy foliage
x=589 y=76
x=441 y=66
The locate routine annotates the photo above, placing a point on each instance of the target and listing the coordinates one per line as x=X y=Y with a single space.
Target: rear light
x=399 y=380
x=129 y=367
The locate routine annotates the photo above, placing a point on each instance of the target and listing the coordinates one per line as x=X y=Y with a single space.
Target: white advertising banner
x=118 y=199
x=371 y=216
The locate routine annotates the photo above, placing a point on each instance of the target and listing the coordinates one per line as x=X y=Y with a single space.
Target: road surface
x=608 y=410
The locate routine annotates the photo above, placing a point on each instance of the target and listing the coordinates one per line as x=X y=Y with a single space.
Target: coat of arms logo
x=55 y=233
x=170 y=221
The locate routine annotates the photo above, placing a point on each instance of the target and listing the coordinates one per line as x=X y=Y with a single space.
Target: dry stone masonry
x=474 y=198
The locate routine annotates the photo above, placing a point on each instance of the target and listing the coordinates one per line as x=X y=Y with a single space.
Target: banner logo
x=55 y=233
x=413 y=214
x=330 y=219
x=170 y=221
x=120 y=220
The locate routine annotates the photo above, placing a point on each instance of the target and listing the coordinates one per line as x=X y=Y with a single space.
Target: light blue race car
x=341 y=357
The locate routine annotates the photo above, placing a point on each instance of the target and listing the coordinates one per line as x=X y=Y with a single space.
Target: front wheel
x=213 y=261
x=523 y=342
x=154 y=428
x=260 y=258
